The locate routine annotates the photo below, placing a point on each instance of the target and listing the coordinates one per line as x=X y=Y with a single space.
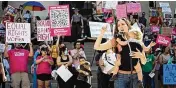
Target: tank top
x=67 y=60
x=165 y=58
x=125 y=55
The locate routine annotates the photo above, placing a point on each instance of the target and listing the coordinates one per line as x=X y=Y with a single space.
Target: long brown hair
x=116 y=31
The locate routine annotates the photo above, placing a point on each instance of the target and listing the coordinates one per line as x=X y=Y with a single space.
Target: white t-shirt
x=109 y=61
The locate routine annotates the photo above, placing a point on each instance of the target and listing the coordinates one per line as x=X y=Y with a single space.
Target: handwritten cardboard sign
x=18 y=33
x=167 y=31
x=43 y=32
x=121 y=11
x=163 y=40
x=155 y=28
x=2 y=47
x=59 y=20
x=133 y=7
x=95 y=28
x=169 y=74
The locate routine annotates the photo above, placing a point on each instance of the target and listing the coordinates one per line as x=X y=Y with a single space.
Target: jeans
x=123 y=81
x=148 y=81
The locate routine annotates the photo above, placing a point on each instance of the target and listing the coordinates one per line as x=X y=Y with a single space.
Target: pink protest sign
x=155 y=28
x=133 y=7
x=109 y=20
x=174 y=31
x=59 y=20
x=163 y=40
x=121 y=11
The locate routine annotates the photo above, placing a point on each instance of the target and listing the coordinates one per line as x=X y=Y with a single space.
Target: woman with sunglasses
x=44 y=62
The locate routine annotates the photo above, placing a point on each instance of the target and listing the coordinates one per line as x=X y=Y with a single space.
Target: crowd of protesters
x=115 y=66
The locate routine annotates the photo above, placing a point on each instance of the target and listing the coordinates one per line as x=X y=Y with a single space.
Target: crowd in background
x=51 y=55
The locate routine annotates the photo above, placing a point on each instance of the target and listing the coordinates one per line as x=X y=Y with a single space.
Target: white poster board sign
x=64 y=73
x=166 y=10
x=2 y=47
x=164 y=4
x=43 y=32
x=110 y=4
x=165 y=7
x=18 y=33
x=95 y=29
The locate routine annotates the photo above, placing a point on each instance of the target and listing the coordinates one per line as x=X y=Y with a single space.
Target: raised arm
x=104 y=46
x=31 y=53
x=49 y=48
x=57 y=43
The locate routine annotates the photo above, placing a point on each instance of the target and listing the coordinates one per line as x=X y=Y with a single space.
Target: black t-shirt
x=125 y=56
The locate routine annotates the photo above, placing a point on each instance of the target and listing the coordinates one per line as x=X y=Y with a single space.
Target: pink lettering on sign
x=133 y=7
x=43 y=32
x=163 y=40
x=155 y=28
x=121 y=11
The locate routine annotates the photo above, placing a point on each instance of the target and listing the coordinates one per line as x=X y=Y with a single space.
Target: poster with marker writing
x=18 y=32
x=169 y=74
x=43 y=31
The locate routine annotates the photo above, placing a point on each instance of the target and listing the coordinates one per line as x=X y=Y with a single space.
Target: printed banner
x=110 y=4
x=18 y=33
x=169 y=74
x=133 y=7
x=121 y=11
x=163 y=40
x=10 y=10
x=95 y=29
x=167 y=31
x=43 y=32
x=59 y=20
x=99 y=6
x=155 y=28
x=2 y=47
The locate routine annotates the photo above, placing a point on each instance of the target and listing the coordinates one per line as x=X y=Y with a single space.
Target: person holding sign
x=125 y=69
x=18 y=59
x=163 y=59
x=44 y=63
x=64 y=59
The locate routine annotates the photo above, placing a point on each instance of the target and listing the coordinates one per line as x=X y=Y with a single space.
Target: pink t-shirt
x=44 y=67
x=18 y=60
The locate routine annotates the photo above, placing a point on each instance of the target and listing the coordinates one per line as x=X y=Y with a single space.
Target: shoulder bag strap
x=107 y=60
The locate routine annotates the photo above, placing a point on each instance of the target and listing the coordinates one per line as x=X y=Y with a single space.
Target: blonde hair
x=138 y=35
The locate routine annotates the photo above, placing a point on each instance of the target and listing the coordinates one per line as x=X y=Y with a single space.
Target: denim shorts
x=123 y=81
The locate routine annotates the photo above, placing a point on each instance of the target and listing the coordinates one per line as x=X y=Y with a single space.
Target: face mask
x=66 y=52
